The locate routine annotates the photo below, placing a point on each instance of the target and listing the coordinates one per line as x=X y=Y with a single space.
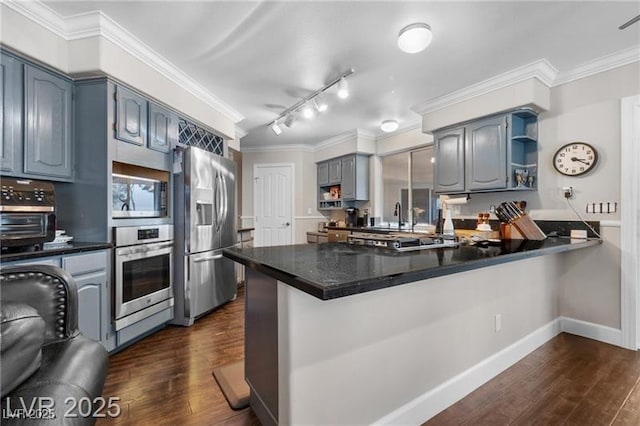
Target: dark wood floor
x=569 y=380
x=166 y=379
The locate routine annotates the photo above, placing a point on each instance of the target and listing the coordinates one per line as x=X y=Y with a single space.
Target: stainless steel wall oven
x=143 y=272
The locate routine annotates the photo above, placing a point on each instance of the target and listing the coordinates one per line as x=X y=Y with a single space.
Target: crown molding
x=278 y=148
x=540 y=69
x=240 y=132
x=337 y=140
x=604 y=63
x=97 y=24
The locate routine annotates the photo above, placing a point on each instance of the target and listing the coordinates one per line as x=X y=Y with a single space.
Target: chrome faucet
x=398 y=212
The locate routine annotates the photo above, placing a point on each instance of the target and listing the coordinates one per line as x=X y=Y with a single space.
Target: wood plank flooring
x=166 y=379
x=569 y=380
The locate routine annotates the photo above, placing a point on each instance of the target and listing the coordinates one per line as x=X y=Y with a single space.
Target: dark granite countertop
x=76 y=247
x=332 y=270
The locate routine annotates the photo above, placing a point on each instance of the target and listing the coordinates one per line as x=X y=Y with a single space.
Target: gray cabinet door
x=131 y=113
x=335 y=172
x=48 y=139
x=10 y=114
x=486 y=154
x=163 y=128
x=449 y=166
x=91 y=292
x=323 y=173
x=348 y=186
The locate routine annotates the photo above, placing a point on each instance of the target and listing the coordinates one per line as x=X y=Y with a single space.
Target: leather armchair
x=46 y=361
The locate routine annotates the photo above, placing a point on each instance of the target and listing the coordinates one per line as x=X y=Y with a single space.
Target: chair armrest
x=50 y=290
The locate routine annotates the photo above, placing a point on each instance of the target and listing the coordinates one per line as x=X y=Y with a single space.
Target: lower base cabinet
x=91 y=273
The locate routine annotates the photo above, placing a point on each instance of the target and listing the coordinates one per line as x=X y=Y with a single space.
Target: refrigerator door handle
x=225 y=203
x=206 y=259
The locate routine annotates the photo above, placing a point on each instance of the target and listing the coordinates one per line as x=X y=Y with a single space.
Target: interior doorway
x=273 y=204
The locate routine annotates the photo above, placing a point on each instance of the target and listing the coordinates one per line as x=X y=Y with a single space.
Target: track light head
x=276 y=128
x=307 y=111
x=320 y=106
x=343 y=89
x=288 y=121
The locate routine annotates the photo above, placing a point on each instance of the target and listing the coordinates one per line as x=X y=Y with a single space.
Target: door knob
x=287 y=224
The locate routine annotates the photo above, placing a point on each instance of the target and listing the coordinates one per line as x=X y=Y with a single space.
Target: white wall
x=379 y=353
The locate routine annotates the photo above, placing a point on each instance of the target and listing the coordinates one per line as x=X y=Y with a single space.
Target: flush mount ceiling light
x=306 y=106
x=415 y=37
x=389 y=126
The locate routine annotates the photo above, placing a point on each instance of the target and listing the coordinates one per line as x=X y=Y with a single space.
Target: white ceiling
x=262 y=57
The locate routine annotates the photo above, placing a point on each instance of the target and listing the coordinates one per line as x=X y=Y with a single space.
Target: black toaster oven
x=27 y=212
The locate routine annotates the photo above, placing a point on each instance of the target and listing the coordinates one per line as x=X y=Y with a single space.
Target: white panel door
x=273 y=204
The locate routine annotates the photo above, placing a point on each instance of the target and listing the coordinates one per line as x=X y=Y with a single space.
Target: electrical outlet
x=568 y=192
x=498 y=321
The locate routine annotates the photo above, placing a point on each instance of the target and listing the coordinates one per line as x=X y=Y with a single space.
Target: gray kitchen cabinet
x=48 y=139
x=449 y=165
x=91 y=272
x=486 y=154
x=323 y=173
x=335 y=171
x=348 y=174
x=163 y=128
x=494 y=153
x=131 y=117
x=355 y=178
x=10 y=114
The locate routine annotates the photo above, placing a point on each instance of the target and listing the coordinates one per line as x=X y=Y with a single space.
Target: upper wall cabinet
x=10 y=114
x=496 y=153
x=36 y=139
x=341 y=180
x=163 y=128
x=48 y=133
x=131 y=113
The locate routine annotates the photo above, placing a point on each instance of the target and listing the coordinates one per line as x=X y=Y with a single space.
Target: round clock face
x=575 y=159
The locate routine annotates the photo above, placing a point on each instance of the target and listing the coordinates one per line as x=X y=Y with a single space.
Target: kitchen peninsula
x=322 y=347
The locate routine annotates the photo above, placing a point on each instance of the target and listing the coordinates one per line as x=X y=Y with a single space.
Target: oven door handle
x=143 y=248
x=208 y=258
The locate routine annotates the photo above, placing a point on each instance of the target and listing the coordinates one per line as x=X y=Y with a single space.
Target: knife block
x=522 y=228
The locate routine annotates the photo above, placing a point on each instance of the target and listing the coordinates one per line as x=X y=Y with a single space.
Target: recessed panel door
x=486 y=154
x=273 y=204
x=449 y=165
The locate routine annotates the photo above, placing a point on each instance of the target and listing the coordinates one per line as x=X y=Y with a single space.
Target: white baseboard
x=591 y=330
x=431 y=403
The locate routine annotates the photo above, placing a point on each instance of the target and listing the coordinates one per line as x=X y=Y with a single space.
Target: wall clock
x=575 y=159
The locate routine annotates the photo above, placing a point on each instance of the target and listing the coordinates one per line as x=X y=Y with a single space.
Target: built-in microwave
x=135 y=196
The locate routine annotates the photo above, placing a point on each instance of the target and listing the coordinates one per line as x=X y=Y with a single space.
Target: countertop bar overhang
x=333 y=270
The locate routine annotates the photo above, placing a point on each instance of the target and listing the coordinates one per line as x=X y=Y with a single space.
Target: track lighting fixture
x=307 y=105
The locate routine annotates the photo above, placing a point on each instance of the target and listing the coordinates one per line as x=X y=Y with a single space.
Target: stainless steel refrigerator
x=204 y=208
